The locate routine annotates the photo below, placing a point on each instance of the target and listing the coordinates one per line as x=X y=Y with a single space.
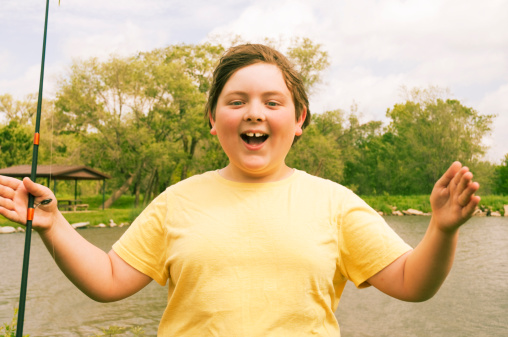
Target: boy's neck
x=229 y=173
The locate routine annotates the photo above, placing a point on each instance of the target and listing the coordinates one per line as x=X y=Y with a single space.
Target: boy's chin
x=258 y=171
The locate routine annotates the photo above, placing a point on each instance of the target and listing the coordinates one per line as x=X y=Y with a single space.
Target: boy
x=256 y=248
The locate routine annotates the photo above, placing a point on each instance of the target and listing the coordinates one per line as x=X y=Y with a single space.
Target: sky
x=375 y=47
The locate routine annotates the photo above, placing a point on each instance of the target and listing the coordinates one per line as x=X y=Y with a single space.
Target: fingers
x=449 y=175
x=8 y=187
x=467 y=194
x=473 y=203
x=465 y=190
x=9 y=182
x=6 y=192
x=34 y=189
x=43 y=196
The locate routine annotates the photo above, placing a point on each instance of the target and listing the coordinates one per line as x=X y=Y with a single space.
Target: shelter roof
x=56 y=172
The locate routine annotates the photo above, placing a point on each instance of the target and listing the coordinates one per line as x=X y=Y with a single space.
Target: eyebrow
x=267 y=93
x=233 y=93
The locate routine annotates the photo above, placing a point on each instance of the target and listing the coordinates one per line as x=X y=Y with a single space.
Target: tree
x=15 y=144
x=196 y=62
x=20 y=111
x=363 y=149
x=309 y=59
x=140 y=117
x=501 y=177
x=427 y=136
x=318 y=151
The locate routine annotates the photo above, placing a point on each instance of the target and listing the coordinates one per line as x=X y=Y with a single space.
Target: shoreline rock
x=80 y=224
x=7 y=230
x=412 y=211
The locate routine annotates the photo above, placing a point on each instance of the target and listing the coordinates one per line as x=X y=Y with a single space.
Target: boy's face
x=255 y=122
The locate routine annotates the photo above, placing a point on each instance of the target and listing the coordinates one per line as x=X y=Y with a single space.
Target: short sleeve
x=143 y=245
x=367 y=244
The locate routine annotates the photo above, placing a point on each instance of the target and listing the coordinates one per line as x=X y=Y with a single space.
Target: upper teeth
x=251 y=134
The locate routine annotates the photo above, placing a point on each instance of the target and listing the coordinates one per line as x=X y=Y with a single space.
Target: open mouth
x=254 y=138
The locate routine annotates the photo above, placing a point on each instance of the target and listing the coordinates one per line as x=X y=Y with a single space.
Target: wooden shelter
x=59 y=172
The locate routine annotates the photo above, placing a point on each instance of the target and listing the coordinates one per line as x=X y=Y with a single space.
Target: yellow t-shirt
x=268 y=259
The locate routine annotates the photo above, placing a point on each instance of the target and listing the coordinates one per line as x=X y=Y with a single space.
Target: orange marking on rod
x=36 y=138
x=30 y=214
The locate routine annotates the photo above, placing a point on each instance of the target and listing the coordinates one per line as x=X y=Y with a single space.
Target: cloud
x=124 y=39
x=375 y=47
x=6 y=59
x=271 y=19
x=28 y=82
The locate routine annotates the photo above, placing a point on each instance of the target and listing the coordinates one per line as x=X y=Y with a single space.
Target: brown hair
x=247 y=54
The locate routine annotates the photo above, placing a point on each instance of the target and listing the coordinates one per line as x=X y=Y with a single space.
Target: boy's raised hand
x=452 y=200
x=14 y=202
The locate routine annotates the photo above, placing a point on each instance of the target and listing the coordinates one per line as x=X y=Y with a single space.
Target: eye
x=272 y=104
x=236 y=103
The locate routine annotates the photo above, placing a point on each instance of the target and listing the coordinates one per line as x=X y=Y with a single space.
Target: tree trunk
x=136 y=188
x=119 y=192
x=149 y=189
x=190 y=155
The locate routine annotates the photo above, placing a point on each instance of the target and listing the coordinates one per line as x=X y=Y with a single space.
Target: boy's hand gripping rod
x=31 y=208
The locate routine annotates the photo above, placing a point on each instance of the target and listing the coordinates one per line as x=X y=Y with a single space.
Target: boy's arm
x=103 y=277
x=418 y=274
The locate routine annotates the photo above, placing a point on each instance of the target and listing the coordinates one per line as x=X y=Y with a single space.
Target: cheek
x=226 y=124
x=226 y=129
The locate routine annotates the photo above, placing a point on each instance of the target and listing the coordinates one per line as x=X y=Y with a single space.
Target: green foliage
x=319 y=152
x=484 y=174
x=309 y=59
x=114 y=330
x=423 y=138
x=140 y=119
x=95 y=217
x=9 y=330
x=388 y=203
x=493 y=202
x=22 y=112
x=15 y=144
x=501 y=177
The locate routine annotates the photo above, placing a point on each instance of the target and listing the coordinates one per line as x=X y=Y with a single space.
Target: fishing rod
x=33 y=176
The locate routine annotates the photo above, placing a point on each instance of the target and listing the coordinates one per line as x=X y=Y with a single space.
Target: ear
x=299 y=122
x=212 y=123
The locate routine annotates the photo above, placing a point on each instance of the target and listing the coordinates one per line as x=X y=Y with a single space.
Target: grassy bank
x=384 y=203
x=124 y=210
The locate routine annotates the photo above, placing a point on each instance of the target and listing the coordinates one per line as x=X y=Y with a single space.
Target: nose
x=255 y=112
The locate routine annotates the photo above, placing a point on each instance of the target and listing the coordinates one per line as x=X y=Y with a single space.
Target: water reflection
x=472 y=302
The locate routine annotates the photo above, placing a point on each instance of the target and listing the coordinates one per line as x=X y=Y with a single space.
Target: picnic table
x=72 y=205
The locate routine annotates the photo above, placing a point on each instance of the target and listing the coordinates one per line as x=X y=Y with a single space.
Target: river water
x=472 y=302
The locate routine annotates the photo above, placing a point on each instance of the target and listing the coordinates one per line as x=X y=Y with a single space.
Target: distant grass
x=384 y=203
x=95 y=202
x=95 y=217
x=494 y=202
x=123 y=211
